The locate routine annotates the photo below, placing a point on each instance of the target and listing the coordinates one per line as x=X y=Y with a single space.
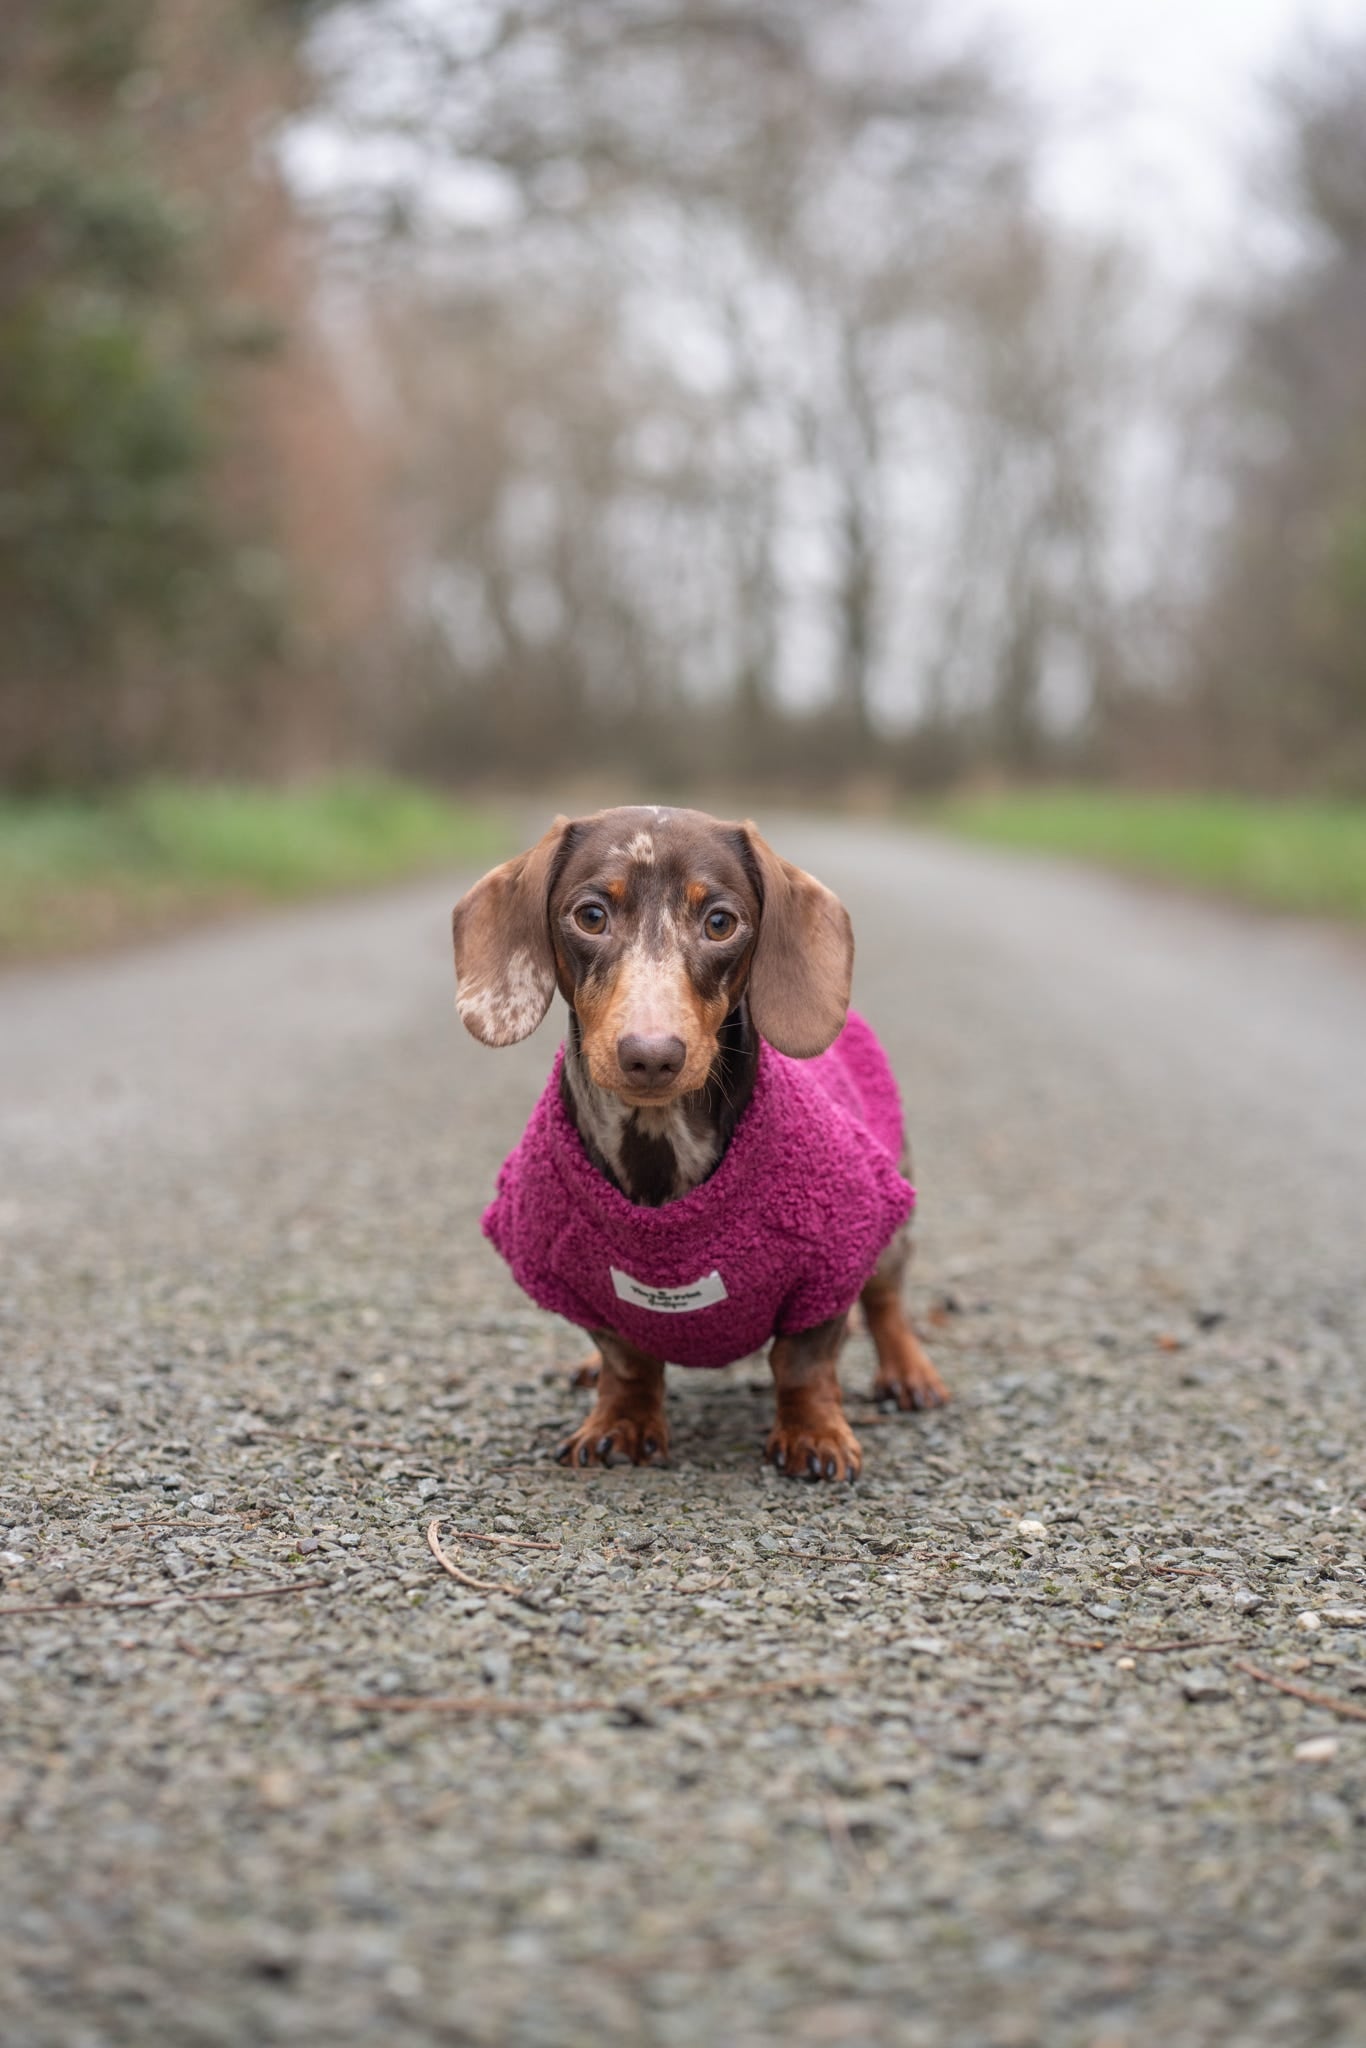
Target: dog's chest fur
x=655 y=1155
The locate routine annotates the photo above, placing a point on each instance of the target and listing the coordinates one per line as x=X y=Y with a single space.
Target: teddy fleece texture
x=782 y=1237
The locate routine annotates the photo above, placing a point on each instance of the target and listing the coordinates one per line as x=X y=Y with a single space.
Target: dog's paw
x=923 y=1391
x=611 y=1439
x=815 y=1448
x=908 y=1381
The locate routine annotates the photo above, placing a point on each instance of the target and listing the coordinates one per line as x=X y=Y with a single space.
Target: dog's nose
x=650 y=1061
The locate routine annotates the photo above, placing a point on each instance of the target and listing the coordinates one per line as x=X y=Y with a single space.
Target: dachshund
x=714 y=1164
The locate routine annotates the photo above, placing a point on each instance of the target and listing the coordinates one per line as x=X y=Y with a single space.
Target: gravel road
x=253 y=1340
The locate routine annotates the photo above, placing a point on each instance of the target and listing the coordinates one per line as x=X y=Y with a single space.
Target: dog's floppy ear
x=803 y=960
x=504 y=961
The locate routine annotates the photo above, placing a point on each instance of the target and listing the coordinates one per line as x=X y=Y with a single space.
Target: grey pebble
x=1205 y=1685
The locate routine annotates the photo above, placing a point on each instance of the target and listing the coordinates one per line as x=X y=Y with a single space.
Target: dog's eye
x=591 y=918
x=719 y=924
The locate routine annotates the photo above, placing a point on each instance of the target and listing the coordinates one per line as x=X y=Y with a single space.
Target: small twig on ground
x=834 y=1556
x=109 y=1527
x=108 y=1452
x=1159 y=1649
x=701 y=1694
x=491 y=1703
x=463 y=1578
x=1175 y=1571
x=1187 y=1643
x=169 y=1599
x=1342 y=1708
x=512 y=1542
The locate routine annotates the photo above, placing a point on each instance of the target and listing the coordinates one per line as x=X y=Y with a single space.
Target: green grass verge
x=77 y=872
x=1305 y=857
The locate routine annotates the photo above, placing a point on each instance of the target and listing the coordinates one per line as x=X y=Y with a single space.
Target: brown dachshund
x=714 y=1164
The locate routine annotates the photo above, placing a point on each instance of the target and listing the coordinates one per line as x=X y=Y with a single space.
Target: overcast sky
x=1156 y=107
x=1154 y=115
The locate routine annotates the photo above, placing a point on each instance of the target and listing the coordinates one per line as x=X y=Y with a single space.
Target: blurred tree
x=702 y=361
x=1046 y=389
x=145 y=572
x=1278 y=666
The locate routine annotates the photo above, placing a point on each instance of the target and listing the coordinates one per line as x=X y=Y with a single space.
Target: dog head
x=652 y=923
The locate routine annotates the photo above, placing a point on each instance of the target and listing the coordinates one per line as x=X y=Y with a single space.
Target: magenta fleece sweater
x=783 y=1235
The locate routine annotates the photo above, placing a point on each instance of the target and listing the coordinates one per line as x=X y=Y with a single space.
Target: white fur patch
x=603 y=1119
x=642 y=849
x=652 y=998
x=696 y=1151
x=507 y=1007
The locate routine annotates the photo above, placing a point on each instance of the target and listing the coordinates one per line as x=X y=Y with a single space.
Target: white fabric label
x=669 y=1301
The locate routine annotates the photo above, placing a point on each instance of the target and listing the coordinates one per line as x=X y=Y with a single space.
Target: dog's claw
x=805 y=1453
x=622 y=1441
x=907 y=1380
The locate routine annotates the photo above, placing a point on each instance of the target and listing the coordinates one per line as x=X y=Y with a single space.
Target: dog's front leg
x=627 y=1420
x=810 y=1438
